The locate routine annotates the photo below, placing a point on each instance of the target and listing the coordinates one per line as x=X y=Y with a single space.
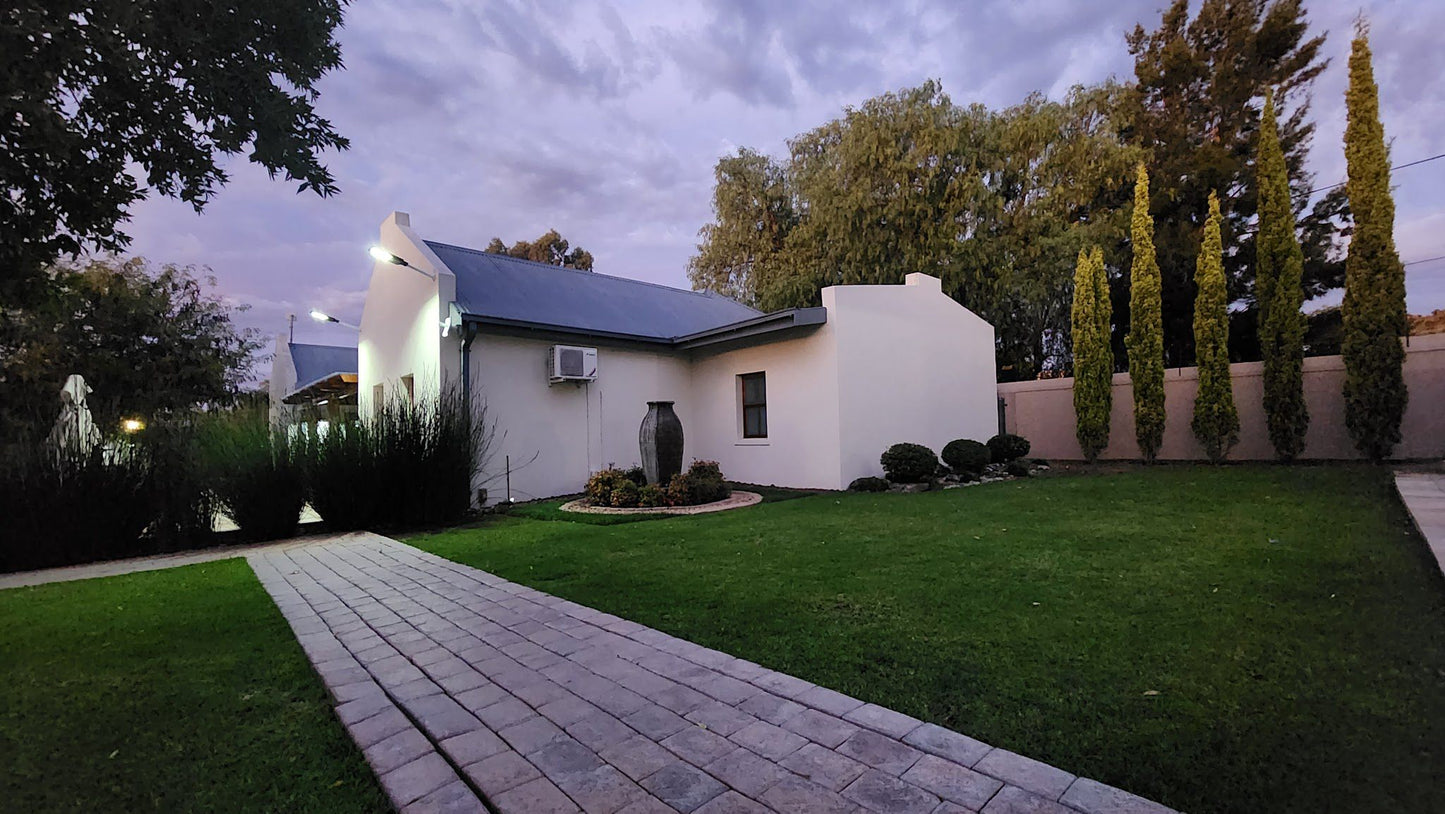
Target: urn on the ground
x=660 y=441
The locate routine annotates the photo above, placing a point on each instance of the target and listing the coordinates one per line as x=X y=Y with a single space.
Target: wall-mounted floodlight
x=321 y=316
x=381 y=255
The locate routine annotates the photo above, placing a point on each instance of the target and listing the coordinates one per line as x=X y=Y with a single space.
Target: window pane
x=754 y=389
x=755 y=422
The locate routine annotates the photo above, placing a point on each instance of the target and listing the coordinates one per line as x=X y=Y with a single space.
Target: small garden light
x=132 y=425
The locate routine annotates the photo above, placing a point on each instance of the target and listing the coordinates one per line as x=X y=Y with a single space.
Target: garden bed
x=736 y=500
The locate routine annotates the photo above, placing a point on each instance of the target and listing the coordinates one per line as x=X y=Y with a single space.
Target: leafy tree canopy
x=94 y=88
x=551 y=248
x=1196 y=108
x=146 y=339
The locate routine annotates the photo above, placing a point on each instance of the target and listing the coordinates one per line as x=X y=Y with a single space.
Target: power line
x=1392 y=169
x=1426 y=260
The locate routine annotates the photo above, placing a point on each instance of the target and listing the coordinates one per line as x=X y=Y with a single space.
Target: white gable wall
x=913 y=365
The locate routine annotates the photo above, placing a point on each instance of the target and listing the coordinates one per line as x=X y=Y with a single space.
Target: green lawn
x=178 y=690
x=1220 y=639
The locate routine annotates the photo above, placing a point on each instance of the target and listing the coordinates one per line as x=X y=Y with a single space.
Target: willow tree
x=1279 y=293
x=1146 y=331
x=1093 y=356
x=1216 y=422
x=1374 y=305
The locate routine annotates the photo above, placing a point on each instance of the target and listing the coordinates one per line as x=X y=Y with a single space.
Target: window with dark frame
x=755 y=405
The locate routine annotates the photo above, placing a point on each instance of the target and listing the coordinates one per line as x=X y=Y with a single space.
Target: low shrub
x=254 y=474
x=706 y=483
x=1017 y=469
x=909 y=463
x=603 y=483
x=965 y=456
x=626 y=495
x=636 y=475
x=868 y=484
x=651 y=496
x=1006 y=447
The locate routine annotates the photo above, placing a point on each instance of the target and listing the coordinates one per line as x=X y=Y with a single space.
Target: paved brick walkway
x=459 y=685
x=1424 y=495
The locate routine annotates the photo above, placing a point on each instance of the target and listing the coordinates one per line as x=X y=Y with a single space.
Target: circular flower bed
x=737 y=500
x=618 y=489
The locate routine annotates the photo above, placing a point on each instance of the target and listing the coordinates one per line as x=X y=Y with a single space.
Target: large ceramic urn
x=660 y=441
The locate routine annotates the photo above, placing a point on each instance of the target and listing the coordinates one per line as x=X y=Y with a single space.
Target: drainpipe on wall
x=469 y=332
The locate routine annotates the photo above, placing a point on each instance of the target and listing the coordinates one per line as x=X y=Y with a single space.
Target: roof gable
x=507 y=289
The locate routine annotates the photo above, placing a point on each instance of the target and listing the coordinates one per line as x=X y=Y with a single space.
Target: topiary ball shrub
x=965 y=456
x=707 y=483
x=869 y=484
x=1007 y=447
x=1017 y=469
x=626 y=495
x=909 y=463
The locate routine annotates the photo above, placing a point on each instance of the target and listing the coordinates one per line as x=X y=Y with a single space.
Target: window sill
x=752 y=442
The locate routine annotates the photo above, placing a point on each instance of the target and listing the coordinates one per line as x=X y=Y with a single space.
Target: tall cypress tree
x=1374 y=305
x=1093 y=358
x=1279 y=293
x=1216 y=423
x=1146 y=331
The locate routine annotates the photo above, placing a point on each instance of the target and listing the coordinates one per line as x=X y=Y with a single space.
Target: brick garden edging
x=459 y=685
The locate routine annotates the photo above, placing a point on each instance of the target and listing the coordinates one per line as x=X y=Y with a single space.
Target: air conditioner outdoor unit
x=568 y=364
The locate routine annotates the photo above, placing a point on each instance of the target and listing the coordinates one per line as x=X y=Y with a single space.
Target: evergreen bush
x=1216 y=422
x=909 y=463
x=966 y=456
x=1006 y=447
x=1146 y=329
x=868 y=484
x=1091 y=315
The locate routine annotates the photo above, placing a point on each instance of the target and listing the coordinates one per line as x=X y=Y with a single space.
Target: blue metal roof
x=316 y=362
x=495 y=287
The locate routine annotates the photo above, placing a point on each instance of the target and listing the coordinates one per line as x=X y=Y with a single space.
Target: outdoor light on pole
x=319 y=316
x=383 y=256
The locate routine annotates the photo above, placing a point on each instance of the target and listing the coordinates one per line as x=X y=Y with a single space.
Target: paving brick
x=820 y=727
x=637 y=757
x=1093 y=797
x=441 y=716
x=531 y=735
x=726 y=689
x=604 y=789
x=730 y=802
x=566 y=711
x=880 y=752
x=1026 y=773
x=952 y=782
x=946 y=743
x=415 y=689
x=698 y=746
x=500 y=772
x=745 y=771
x=453 y=798
x=378 y=727
x=417 y=779
x=362 y=708
x=599 y=730
x=472 y=746
x=772 y=742
x=563 y=757
x=647 y=805
x=782 y=684
x=882 y=719
x=680 y=699
x=397 y=750
x=481 y=697
x=685 y=788
x=823 y=766
x=718 y=717
x=505 y=713
x=882 y=792
x=829 y=701
x=538 y=796
x=655 y=722
x=796 y=794
x=1014 y=800
x=774 y=709
x=461 y=682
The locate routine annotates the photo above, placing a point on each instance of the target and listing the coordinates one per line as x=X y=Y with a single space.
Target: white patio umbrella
x=74 y=430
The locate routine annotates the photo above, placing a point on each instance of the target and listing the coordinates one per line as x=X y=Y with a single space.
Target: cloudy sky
x=604 y=120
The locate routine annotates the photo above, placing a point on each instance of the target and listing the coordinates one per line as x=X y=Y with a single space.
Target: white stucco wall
x=556 y=435
x=401 y=322
x=282 y=380
x=913 y=365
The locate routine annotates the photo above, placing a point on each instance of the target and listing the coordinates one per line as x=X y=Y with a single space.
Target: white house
x=827 y=389
x=312 y=382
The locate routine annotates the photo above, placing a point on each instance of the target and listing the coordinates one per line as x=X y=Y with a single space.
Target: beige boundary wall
x=1043 y=411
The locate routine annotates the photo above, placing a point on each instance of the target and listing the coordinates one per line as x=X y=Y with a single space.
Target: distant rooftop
x=506 y=290
x=315 y=363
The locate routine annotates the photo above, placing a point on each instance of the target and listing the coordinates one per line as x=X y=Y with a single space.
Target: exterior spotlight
x=381 y=255
x=321 y=316
x=132 y=425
